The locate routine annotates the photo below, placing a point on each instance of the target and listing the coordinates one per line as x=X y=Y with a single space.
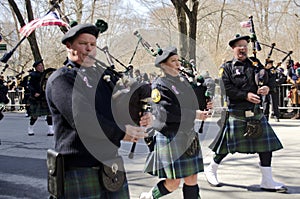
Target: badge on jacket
x=155 y=95
x=221 y=70
x=85 y=79
x=175 y=89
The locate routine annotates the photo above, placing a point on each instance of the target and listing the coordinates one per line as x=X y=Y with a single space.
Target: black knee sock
x=49 y=120
x=265 y=159
x=160 y=190
x=32 y=120
x=1 y=115
x=219 y=157
x=190 y=192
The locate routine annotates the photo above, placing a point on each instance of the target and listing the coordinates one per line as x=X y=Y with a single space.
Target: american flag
x=50 y=19
x=246 y=24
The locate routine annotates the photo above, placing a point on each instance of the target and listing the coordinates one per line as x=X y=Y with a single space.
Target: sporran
x=112 y=174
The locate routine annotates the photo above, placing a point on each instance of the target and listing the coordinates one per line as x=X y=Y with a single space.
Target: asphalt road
x=23 y=164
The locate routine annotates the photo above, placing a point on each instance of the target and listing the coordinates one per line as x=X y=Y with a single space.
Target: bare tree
x=187 y=38
x=216 y=23
x=31 y=38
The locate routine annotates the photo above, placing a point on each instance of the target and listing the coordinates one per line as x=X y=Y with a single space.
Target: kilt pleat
x=232 y=139
x=39 y=108
x=83 y=183
x=169 y=160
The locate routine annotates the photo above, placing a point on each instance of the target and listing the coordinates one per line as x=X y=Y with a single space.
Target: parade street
x=23 y=170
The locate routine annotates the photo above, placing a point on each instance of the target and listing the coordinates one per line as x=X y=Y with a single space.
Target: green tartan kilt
x=232 y=139
x=38 y=107
x=84 y=183
x=169 y=159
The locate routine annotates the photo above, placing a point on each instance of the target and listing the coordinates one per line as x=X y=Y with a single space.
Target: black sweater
x=79 y=99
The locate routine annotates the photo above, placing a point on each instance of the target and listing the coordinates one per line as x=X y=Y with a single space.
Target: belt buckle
x=249 y=113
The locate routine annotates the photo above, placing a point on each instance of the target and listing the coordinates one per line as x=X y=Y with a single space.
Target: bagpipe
x=189 y=70
x=257 y=46
x=129 y=97
x=272 y=47
x=197 y=82
x=280 y=76
x=261 y=76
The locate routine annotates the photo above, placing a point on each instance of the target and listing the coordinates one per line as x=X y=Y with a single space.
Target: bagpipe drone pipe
x=261 y=76
x=189 y=70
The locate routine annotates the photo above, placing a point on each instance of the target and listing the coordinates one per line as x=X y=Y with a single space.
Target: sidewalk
x=238 y=173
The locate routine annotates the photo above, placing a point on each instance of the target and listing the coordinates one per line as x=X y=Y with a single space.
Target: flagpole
x=55 y=6
x=7 y=56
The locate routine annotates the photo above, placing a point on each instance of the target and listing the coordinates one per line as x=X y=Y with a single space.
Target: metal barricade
x=15 y=100
x=284 y=90
x=286 y=108
x=284 y=105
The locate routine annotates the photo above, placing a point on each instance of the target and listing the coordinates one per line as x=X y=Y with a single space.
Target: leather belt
x=77 y=168
x=244 y=113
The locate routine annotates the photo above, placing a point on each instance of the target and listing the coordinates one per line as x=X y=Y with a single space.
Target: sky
x=138 y=6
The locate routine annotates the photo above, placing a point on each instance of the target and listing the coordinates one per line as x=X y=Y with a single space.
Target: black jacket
x=272 y=75
x=34 y=82
x=176 y=108
x=3 y=93
x=239 y=78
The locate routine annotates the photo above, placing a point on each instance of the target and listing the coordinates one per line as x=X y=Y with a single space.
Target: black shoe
x=276 y=119
x=50 y=134
x=1 y=115
x=297 y=116
x=279 y=190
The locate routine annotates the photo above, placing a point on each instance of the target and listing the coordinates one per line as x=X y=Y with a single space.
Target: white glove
x=197 y=125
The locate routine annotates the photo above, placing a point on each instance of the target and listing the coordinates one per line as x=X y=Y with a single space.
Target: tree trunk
x=193 y=30
x=31 y=38
x=187 y=39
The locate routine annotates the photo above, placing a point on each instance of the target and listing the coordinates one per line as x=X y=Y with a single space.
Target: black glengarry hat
x=79 y=29
x=166 y=53
x=238 y=37
x=37 y=63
